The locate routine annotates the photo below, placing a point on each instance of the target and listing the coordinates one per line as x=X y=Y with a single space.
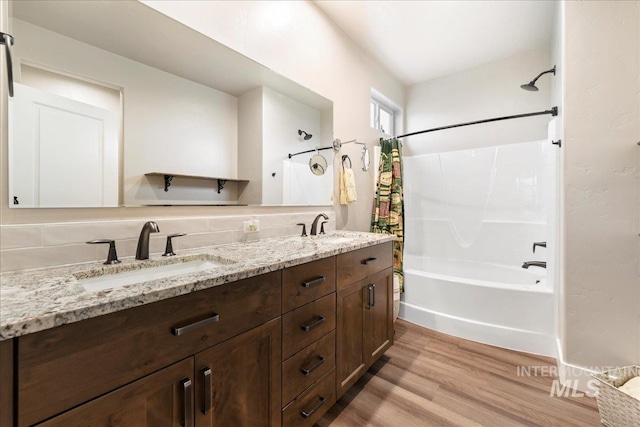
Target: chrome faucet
x=528 y=264
x=143 y=242
x=314 y=226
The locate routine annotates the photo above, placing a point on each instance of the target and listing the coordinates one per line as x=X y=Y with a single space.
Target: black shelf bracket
x=221 y=183
x=167 y=182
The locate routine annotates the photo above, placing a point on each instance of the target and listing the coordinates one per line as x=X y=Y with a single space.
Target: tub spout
x=528 y=264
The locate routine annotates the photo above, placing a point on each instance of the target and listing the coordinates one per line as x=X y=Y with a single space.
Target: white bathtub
x=504 y=306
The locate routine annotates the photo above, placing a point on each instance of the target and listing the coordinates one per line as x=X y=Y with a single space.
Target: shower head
x=307 y=136
x=531 y=86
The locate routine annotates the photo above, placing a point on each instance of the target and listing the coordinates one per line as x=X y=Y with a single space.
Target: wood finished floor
x=432 y=379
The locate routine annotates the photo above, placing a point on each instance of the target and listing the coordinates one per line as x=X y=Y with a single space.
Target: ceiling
x=421 y=40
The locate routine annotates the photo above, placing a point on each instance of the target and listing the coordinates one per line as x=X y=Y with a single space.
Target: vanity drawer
x=306 y=324
x=312 y=404
x=68 y=365
x=356 y=265
x=307 y=282
x=305 y=367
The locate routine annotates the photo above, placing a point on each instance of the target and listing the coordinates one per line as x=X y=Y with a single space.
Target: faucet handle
x=168 y=250
x=112 y=257
x=304 y=229
x=541 y=244
x=322 y=226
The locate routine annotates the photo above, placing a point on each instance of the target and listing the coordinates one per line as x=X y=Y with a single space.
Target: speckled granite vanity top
x=36 y=300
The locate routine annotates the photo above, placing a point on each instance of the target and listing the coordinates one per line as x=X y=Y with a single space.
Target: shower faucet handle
x=541 y=244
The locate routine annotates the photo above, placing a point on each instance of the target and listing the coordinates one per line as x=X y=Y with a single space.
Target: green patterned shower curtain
x=388 y=204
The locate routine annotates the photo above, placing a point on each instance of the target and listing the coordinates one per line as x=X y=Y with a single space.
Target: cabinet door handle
x=313 y=282
x=312 y=325
x=373 y=295
x=369 y=260
x=206 y=383
x=307 y=371
x=306 y=415
x=188 y=402
x=368 y=307
x=181 y=330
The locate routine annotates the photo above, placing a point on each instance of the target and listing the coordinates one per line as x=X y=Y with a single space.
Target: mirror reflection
x=154 y=113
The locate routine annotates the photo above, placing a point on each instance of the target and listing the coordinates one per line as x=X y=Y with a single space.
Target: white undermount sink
x=335 y=240
x=332 y=238
x=139 y=275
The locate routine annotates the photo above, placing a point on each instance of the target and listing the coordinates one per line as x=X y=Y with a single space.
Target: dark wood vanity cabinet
x=271 y=350
x=164 y=398
x=365 y=311
x=308 y=341
x=61 y=368
x=237 y=383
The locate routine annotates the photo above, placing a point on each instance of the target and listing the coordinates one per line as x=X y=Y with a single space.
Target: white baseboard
x=573 y=376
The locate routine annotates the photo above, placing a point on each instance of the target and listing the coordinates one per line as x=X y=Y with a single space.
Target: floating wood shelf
x=168 y=177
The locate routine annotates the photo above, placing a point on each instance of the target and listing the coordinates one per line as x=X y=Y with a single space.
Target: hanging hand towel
x=343 y=189
x=347 y=183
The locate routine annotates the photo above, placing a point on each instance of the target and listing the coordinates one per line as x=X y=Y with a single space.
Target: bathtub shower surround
x=473 y=216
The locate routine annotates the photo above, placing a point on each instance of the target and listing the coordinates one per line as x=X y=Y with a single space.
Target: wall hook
x=558 y=143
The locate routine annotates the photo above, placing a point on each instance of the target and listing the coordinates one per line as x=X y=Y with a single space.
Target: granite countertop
x=35 y=300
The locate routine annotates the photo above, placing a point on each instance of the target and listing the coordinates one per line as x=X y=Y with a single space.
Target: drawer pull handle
x=306 y=415
x=369 y=260
x=188 y=402
x=313 y=282
x=206 y=383
x=312 y=325
x=181 y=330
x=307 y=371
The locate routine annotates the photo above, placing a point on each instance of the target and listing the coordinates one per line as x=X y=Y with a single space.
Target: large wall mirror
x=117 y=104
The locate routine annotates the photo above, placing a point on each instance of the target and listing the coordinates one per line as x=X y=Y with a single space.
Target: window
x=382 y=116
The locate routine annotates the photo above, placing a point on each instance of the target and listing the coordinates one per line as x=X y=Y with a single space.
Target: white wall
x=250 y=141
x=294 y=39
x=282 y=118
x=556 y=253
x=297 y=40
x=601 y=184
x=268 y=133
x=487 y=91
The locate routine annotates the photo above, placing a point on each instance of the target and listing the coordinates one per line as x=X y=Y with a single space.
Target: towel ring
x=346 y=157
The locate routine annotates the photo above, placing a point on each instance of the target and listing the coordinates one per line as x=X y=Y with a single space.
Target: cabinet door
x=350 y=361
x=6 y=383
x=238 y=381
x=164 y=398
x=378 y=315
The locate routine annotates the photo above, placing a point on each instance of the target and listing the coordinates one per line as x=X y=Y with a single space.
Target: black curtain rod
x=311 y=151
x=553 y=111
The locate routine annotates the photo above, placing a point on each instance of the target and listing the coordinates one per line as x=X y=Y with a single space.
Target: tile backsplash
x=28 y=246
